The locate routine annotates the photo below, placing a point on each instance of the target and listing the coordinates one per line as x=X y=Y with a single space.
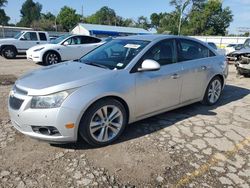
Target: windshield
x=18 y=35
x=115 y=54
x=59 y=39
x=247 y=43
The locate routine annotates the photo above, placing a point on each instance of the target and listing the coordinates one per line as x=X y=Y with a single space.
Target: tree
x=155 y=20
x=46 y=22
x=212 y=20
x=68 y=18
x=104 y=16
x=143 y=22
x=199 y=17
x=4 y=19
x=30 y=12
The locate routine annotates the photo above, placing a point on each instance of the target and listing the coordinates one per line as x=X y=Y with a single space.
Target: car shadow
x=150 y=125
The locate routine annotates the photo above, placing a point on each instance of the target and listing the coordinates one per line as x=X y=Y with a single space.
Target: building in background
x=10 y=32
x=107 y=30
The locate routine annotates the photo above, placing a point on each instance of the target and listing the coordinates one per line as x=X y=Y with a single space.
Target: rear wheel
x=103 y=122
x=9 y=52
x=213 y=91
x=52 y=58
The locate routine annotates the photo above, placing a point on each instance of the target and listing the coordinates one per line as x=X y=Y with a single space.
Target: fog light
x=46 y=130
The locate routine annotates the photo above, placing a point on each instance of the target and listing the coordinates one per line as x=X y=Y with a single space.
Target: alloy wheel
x=214 y=91
x=106 y=123
x=53 y=59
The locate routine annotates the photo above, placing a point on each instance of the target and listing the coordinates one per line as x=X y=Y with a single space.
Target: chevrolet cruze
x=120 y=82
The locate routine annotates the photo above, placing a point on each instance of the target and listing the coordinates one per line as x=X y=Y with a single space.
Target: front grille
x=15 y=103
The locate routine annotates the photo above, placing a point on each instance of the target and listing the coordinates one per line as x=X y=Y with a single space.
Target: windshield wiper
x=97 y=65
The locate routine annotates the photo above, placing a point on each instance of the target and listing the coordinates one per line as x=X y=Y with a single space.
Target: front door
x=28 y=40
x=158 y=90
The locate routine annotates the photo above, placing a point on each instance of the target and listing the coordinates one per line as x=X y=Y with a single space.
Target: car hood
x=242 y=51
x=7 y=40
x=61 y=77
x=50 y=46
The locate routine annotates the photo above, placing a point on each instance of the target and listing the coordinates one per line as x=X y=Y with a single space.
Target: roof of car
x=153 y=37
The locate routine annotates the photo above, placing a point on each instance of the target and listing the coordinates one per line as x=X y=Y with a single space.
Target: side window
x=163 y=52
x=190 y=50
x=73 y=41
x=42 y=37
x=31 y=36
x=89 y=40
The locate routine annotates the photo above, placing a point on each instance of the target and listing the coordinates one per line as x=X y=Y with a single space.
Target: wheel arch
x=115 y=97
x=7 y=45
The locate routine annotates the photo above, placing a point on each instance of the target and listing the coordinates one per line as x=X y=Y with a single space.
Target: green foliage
x=104 y=16
x=3 y=2
x=4 y=19
x=142 y=22
x=30 y=12
x=200 y=17
x=68 y=18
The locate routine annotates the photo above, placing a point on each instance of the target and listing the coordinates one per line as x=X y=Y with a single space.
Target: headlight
x=49 y=101
x=38 y=49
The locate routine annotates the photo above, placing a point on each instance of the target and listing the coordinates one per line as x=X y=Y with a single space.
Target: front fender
x=84 y=97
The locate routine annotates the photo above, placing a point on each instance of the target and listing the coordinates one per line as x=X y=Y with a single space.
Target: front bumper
x=24 y=119
x=34 y=56
x=242 y=68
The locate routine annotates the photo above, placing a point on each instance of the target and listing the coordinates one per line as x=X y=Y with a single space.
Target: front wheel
x=9 y=52
x=103 y=122
x=213 y=92
x=52 y=58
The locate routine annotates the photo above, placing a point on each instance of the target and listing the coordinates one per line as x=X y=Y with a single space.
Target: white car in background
x=11 y=47
x=64 y=48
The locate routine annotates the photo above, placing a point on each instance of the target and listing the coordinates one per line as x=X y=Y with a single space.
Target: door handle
x=175 y=76
x=37 y=42
x=204 y=68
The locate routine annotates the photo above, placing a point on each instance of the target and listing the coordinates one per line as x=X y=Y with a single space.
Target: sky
x=128 y=8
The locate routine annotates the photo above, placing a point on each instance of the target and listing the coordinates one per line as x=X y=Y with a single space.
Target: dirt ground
x=195 y=146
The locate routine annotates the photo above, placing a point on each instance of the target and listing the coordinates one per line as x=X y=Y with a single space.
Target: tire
x=104 y=130
x=9 y=52
x=51 y=58
x=213 y=91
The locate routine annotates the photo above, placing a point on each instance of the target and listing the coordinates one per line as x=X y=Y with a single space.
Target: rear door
x=43 y=38
x=88 y=44
x=195 y=60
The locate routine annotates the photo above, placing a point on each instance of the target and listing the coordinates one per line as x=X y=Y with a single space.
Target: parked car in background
x=219 y=50
x=66 y=47
x=11 y=47
x=122 y=81
x=232 y=47
x=52 y=38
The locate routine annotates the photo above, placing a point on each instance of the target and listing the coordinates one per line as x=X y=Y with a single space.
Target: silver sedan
x=122 y=81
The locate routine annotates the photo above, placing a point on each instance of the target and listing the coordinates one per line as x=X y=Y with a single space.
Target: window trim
x=134 y=69
x=30 y=37
x=46 y=39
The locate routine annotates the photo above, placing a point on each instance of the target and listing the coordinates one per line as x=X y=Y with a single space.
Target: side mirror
x=66 y=43
x=149 y=65
x=22 y=38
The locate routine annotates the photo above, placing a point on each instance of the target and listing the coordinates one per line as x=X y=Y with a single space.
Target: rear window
x=42 y=36
x=89 y=40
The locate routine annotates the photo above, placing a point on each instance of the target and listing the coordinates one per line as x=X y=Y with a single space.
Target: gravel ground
x=195 y=146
